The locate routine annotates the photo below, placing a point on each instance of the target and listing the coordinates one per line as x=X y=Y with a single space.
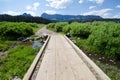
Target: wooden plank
x=97 y=71
x=61 y=62
x=76 y=65
x=33 y=65
x=47 y=69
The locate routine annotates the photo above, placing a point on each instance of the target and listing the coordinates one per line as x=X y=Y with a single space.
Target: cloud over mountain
x=101 y=12
x=34 y=7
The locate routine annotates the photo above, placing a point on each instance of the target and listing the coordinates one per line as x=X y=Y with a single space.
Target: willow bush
x=14 y=30
x=104 y=37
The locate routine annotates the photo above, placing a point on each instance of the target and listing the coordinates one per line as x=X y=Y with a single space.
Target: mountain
x=58 y=17
x=26 y=15
x=21 y=18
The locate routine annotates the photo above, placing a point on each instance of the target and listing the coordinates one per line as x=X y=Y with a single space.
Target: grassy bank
x=16 y=62
x=112 y=71
x=11 y=31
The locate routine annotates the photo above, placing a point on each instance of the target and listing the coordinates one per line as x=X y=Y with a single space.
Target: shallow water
x=36 y=44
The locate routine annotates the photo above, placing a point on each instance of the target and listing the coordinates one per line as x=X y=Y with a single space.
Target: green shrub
x=66 y=29
x=101 y=37
x=59 y=26
x=51 y=25
x=10 y=30
x=34 y=25
x=80 y=30
x=106 y=38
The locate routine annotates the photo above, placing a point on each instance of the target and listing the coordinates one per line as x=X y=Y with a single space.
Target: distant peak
x=26 y=14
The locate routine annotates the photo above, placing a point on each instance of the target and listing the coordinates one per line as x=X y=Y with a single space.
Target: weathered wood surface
x=61 y=62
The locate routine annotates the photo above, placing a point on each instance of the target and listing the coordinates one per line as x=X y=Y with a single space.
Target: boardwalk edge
x=102 y=75
x=30 y=71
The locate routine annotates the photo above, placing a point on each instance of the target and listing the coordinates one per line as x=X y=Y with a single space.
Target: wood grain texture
x=61 y=62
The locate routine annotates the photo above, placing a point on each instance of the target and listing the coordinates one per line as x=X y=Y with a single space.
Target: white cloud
x=81 y=1
x=31 y=12
x=117 y=15
x=50 y=11
x=97 y=1
x=28 y=7
x=58 y=4
x=18 y=13
x=118 y=6
x=11 y=13
x=103 y=12
x=36 y=5
x=33 y=7
x=92 y=7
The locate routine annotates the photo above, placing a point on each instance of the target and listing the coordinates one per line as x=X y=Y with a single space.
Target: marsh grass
x=16 y=62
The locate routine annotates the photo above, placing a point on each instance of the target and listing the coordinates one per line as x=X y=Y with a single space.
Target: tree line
x=21 y=18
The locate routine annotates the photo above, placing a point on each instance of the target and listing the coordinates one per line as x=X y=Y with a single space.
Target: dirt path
x=44 y=31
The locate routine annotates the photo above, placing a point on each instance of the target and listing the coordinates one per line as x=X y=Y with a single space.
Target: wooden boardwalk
x=61 y=62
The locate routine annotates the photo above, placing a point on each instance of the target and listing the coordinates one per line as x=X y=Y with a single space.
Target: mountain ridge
x=59 y=17
x=26 y=15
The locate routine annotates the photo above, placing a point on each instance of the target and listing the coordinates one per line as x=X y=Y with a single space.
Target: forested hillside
x=59 y=17
x=21 y=18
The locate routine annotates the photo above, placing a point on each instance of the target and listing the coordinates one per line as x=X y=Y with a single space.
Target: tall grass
x=102 y=37
x=16 y=62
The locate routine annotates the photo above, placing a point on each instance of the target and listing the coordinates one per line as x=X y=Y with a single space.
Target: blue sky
x=104 y=8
